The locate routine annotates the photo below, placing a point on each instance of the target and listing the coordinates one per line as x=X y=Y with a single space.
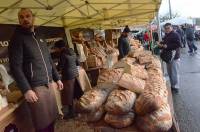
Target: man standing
x=190 y=39
x=171 y=55
x=181 y=34
x=123 y=43
x=33 y=70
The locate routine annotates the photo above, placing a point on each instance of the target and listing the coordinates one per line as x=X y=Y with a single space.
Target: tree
x=166 y=17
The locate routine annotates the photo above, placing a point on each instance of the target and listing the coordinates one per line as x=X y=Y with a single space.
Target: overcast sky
x=185 y=8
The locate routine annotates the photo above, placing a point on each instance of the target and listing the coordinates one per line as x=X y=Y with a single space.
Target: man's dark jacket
x=173 y=42
x=189 y=34
x=30 y=62
x=123 y=46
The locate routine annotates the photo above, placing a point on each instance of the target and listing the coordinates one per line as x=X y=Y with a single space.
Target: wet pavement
x=187 y=102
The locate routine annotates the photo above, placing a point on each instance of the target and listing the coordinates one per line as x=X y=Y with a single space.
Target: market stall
x=100 y=62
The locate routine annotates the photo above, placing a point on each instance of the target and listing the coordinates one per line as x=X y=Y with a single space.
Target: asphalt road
x=187 y=102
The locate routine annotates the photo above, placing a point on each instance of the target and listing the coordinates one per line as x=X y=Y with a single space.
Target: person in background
x=181 y=34
x=123 y=43
x=190 y=40
x=68 y=65
x=147 y=40
x=33 y=70
x=156 y=41
x=80 y=48
x=155 y=36
x=171 y=44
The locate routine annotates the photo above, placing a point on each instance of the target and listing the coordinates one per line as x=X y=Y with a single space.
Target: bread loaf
x=130 y=61
x=132 y=83
x=158 y=121
x=139 y=72
x=145 y=59
x=110 y=75
x=120 y=102
x=136 y=53
x=155 y=63
x=119 y=121
x=153 y=97
x=92 y=100
x=92 y=117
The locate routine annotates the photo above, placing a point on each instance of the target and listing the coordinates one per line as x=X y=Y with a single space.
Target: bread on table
x=120 y=102
x=119 y=121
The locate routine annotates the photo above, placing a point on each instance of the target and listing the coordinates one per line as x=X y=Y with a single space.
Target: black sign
x=51 y=34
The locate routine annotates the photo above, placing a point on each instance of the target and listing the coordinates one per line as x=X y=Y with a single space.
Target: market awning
x=82 y=13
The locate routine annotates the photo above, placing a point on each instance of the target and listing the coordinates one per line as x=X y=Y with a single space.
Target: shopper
x=171 y=55
x=33 y=70
x=67 y=64
x=190 y=40
x=146 y=40
x=181 y=34
x=123 y=43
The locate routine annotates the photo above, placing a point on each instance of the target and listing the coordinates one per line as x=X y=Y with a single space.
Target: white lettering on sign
x=53 y=39
x=4 y=60
x=4 y=43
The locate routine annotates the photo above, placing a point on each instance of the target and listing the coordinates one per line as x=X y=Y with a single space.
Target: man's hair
x=167 y=24
x=22 y=9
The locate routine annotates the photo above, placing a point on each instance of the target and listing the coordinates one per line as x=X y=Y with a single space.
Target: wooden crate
x=92 y=61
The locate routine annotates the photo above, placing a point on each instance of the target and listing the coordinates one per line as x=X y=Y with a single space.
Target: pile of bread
x=134 y=92
x=135 y=43
x=99 y=54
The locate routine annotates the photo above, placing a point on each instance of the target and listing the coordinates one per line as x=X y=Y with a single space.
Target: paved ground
x=187 y=102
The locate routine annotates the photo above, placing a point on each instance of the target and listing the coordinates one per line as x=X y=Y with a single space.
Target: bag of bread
x=119 y=121
x=120 y=102
x=136 y=53
x=110 y=75
x=153 y=97
x=92 y=100
x=158 y=121
x=109 y=86
x=155 y=63
x=145 y=59
x=131 y=83
x=139 y=72
x=93 y=116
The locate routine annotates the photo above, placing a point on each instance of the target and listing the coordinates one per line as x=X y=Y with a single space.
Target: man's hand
x=160 y=45
x=31 y=96
x=60 y=85
x=164 y=46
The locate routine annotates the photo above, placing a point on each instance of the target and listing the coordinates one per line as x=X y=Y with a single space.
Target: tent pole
x=158 y=26
x=67 y=32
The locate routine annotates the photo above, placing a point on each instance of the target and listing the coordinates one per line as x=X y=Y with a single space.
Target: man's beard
x=30 y=26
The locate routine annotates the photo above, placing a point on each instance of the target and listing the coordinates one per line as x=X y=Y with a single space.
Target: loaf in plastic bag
x=132 y=83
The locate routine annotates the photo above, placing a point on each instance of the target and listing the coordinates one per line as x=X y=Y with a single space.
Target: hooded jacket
x=30 y=62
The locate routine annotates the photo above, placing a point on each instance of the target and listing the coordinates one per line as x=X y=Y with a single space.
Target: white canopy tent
x=82 y=13
x=179 y=21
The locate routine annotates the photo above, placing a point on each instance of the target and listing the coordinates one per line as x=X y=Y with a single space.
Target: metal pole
x=170 y=10
x=158 y=26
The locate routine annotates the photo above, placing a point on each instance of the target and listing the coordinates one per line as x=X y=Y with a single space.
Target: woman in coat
x=67 y=64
